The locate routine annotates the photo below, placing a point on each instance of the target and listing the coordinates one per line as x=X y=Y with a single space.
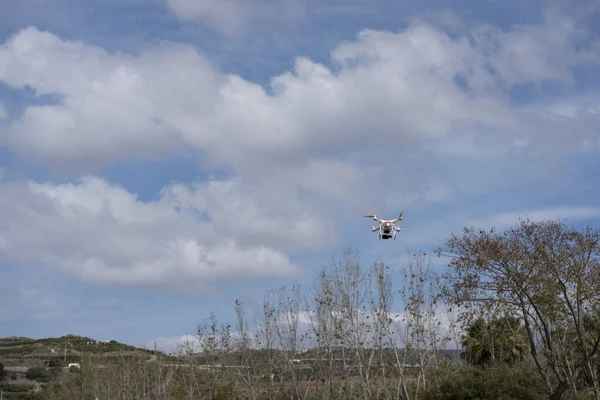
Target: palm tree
x=501 y=340
x=477 y=343
x=510 y=342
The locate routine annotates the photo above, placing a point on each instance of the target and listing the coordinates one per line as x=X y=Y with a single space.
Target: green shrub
x=582 y=394
x=42 y=374
x=498 y=382
x=224 y=392
x=3 y=372
x=16 y=387
x=56 y=362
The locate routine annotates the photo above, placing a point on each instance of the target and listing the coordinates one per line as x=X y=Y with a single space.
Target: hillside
x=29 y=364
x=25 y=352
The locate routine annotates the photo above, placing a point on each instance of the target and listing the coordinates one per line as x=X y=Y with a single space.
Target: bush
x=55 y=362
x=74 y=369
x=42 y=374
x=16 y=387
x=500 y=382
x=37 y=373
x=26 y=396
x=3 y=372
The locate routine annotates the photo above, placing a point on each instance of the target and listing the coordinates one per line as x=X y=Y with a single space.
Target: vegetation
x=3 y=372
x=519 y=308
x=548 y=275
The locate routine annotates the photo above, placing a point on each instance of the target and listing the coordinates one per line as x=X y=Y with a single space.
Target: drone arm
x=374 y=218
x=400 y=217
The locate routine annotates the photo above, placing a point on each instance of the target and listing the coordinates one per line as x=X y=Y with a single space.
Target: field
x=37 y=369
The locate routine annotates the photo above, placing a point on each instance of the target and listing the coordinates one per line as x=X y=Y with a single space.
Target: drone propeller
x=399 y=216
x=373 y=217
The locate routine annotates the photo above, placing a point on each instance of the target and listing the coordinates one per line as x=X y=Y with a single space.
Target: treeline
x=522 y=306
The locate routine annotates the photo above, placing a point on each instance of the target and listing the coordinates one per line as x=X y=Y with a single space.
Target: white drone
x=387 y=227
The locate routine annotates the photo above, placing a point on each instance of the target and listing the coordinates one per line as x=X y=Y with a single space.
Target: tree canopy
x=546 y=273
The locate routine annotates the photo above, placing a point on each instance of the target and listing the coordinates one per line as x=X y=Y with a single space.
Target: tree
x=546 y=273
x=509 y=339
x=55 y=362
x=501 y=340
x=3 y=372
x=40 y=373
x=477 y=344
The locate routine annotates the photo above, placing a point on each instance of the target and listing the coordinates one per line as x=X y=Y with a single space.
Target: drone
x=387 y=227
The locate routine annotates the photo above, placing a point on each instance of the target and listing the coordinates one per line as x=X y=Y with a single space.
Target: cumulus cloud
x=530 y=54
x=253 y=215
x=102 y=233
x=392 y=88
x=343 y=136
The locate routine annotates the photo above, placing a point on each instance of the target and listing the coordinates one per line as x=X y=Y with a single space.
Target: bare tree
x=423 y=326
x=325 y=324
x=216 y=346
x=129 y=376
x=266 y=341
x=339 y=321
x=347 y=317
x=387 y=329
x=549 y=275
x=246 y=363
x=286 y=314
x=353 y=315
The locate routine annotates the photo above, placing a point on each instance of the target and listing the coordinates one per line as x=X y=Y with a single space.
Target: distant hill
x=26 y=364
x=23 y=351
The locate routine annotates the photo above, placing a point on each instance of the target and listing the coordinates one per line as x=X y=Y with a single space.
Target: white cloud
x=581 y=112
x=507 y=219
x=346 y=138
x=227 y=16
x=175 y=345
x=3 y=112
x=102 y=233
x=388 y=88
x=443 y=329
x=233 y=17
x=257 y=214
x=537 y=53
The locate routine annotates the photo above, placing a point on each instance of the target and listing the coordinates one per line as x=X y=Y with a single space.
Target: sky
x=161 y=158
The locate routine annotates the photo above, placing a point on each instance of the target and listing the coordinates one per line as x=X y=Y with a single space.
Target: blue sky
x=159 y=158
